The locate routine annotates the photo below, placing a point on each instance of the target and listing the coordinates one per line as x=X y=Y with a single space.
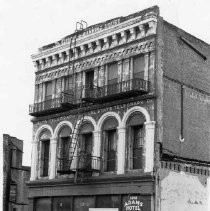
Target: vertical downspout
x=182 y=119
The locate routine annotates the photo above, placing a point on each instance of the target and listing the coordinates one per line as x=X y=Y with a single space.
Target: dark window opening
x=138 y=143
x=112 y=73
x=45 y=157
x=85 y=151
x=111 y=147
x=138 y=67
x=89 y=79
x=48 y=90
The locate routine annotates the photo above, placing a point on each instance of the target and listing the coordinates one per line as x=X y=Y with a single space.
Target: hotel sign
x=133 y=203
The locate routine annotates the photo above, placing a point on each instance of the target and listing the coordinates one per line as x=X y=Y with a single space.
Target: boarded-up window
x=138 y=66
x=112 y=73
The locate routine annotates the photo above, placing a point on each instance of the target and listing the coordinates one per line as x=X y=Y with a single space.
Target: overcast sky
x=26 y=25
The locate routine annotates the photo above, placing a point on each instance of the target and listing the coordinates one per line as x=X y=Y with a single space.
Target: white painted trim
x=35 y=157
x=90 y=119
x=60 y=125
x=134 y=109
x=43 y=127
x=106 y=115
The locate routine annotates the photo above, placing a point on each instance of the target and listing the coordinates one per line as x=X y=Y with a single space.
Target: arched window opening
x=110 y=144
x=135 y=141
x=85 y=146
x=45 y=152
x=64 y=143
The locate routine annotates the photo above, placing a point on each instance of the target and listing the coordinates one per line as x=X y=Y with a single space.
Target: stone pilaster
x=101 y=76
x=126 y=70
x=36 y=94
x=121 y=151
x=52 y=163
x=96 y=76
x=149 y=146
x=34 y=161
x=96 y=162
x=119 y=73
x=43 y=91
x=151 y=69
x=146 y=67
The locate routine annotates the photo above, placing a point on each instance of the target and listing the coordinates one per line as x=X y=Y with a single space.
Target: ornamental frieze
x=93 y=32
x=122 y=53
x=96 y=113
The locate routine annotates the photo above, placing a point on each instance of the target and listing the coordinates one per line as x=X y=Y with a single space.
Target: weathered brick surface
x=171 y=116
x=183 y=63
x=185 y=66
x=19 y=177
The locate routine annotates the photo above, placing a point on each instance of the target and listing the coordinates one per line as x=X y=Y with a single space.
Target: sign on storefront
x=133 y=203
x=103 y=209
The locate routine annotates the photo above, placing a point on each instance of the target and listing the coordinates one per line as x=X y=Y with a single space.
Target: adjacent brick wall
x=18 y=176
x=181 y=62
x=183 y=66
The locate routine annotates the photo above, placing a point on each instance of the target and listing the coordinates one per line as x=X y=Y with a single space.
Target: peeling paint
x=183 y=192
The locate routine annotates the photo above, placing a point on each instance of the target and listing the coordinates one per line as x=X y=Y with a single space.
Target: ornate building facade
x=113 y=111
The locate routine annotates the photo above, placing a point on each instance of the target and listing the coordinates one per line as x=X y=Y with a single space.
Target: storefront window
x=43 y=204
x=107 y=201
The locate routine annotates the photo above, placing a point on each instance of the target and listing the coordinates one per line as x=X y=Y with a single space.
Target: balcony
x=63 y=102
x=115 y=91
x=81 y=163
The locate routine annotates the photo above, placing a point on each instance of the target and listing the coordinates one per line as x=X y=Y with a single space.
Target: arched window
x=135 y=140
x=44 y=139
x=64 y=143
x=85 y=145
x=109 y=145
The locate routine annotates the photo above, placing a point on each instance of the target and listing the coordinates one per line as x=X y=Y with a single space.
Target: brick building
x=121 y=118
x=15 y=191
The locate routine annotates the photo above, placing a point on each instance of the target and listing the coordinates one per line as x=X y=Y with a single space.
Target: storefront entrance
x=95 y=203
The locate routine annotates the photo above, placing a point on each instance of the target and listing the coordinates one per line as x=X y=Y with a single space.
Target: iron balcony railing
x=136 y=85
x=50 y=104
x=82 y=162
x=45 y=105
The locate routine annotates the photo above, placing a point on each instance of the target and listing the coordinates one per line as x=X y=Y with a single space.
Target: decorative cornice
x=127 y=32
x=102 y=59
x=117 y=24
